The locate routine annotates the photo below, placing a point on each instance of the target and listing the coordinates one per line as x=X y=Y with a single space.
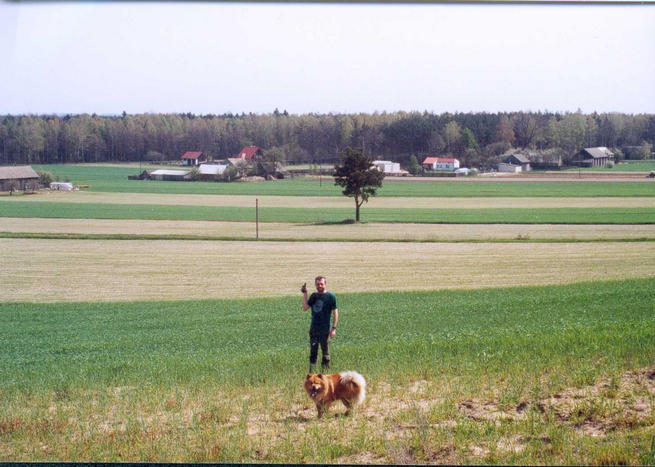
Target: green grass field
x=114 y=179
x=628 y=166
x=408 y=334
x=152 y=381
x=13 y=208
x=532 y=375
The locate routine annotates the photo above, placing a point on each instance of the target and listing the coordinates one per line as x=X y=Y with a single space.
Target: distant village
x=250 y=164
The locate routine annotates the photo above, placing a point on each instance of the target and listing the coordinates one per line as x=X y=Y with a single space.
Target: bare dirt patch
x=593 y=410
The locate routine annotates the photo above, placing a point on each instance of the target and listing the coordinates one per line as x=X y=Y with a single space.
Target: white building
x=170 y=175
x=387 y=167
x=509 y=168
x=61 y=186
x=441 y=163
x=211 y=169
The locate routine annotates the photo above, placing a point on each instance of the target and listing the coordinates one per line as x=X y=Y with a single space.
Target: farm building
x=440 y=163
x=170 y=175
x=505 y=167
x=545 y=160
x=61 y=186
x=191 y=158
x=594 y=157
x=19 y=177
x=519 y=159
x=210 y=171
x=389 y=167
x=250 y=153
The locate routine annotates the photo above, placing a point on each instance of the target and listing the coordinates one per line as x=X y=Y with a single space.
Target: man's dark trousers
x=317 y=338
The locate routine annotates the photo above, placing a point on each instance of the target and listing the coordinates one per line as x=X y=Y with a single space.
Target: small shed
x=193 y=158
x=519 y=159
x=508 y=168
x=18 y=177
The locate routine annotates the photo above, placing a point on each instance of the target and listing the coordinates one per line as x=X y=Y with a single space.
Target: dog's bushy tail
x=355 y=378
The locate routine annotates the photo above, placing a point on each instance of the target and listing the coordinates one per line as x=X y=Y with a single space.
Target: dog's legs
x=348 y=405
x=321 y=409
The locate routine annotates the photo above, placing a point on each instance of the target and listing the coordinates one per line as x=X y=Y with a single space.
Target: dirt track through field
x=82 y=270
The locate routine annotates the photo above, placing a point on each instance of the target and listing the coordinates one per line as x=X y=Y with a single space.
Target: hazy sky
x=250 y=57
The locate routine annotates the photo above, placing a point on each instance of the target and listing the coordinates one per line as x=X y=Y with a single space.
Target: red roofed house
x=193 y=158
x=250 y=152
x=440 y=163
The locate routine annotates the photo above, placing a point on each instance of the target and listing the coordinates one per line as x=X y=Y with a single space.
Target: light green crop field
x=635 y=215
x=114 y=179
x=537 y=375
x=628 y=166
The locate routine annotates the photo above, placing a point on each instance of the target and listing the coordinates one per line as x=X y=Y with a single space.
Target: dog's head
x=314 y=385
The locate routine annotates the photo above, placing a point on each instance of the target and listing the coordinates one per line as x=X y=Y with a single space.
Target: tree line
x=477 y=139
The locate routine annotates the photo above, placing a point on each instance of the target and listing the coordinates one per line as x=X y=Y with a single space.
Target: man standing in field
x=324 y=307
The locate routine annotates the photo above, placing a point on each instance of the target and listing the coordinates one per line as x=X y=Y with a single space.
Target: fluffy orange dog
x=349 y=387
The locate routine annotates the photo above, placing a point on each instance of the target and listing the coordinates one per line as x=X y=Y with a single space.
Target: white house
x=193 y=158
x=440 y=163
x=387 y=167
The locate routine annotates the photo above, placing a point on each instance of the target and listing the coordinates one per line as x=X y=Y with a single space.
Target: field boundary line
x=73 y=236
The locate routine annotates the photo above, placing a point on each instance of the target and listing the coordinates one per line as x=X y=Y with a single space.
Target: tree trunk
x=357 y=205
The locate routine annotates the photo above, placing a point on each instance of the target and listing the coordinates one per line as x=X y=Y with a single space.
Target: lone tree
x=358 y=177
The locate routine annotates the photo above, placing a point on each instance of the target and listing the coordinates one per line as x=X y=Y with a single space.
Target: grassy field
x=482 y=343
x=504 y=376
x=363 y=232
x=15 y=208
x=629 y=166
x=114 y=179
x=114 y=270
x=323 y=202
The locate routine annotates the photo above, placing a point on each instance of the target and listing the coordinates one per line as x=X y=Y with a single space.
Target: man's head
x=321 y=284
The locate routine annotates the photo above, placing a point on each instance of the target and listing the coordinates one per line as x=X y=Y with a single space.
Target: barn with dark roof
x=18 y=177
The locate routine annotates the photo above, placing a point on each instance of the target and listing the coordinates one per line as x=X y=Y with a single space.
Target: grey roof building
x=18 y=177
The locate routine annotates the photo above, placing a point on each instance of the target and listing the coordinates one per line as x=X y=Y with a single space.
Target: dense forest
x=477 y=139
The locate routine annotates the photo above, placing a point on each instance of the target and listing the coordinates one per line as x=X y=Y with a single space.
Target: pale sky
x=252 y=57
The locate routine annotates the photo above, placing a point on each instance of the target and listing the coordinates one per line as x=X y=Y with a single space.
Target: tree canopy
x=359 y=178
x=474 y=138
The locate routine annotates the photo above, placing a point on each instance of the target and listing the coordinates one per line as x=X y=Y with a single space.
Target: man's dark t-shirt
x=322 y=306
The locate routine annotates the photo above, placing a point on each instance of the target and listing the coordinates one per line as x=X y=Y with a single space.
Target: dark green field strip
x=583 y=328
x=252 y=238
x=114 y=179
x=332 y=215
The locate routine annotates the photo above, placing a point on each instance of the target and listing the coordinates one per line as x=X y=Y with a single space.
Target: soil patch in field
x=595 y=410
